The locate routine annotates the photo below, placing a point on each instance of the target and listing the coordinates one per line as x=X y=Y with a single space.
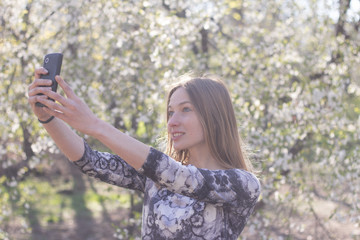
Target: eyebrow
x=182 y=103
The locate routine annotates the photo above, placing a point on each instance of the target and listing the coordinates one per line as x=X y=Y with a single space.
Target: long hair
x=213 y=105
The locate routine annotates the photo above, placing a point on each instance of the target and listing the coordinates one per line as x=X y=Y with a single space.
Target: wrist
x=99 y=129
x=45 y=121
x=43 y=116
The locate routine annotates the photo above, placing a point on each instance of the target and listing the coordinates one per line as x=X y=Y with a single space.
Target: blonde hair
x=212 y=102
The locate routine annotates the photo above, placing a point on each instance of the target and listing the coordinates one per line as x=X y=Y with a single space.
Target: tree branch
x=344 y=6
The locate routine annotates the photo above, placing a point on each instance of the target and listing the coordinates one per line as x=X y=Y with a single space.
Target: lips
x=176 y=135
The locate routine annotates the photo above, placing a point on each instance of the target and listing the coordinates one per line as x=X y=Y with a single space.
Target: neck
x=203 y=159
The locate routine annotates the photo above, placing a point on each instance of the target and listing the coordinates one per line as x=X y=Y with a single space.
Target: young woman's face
x=184 y=126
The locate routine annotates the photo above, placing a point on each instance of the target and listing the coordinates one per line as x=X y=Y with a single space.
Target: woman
x=201 y=189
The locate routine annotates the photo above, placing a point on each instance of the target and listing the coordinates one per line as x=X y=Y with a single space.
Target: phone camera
x=46 y=60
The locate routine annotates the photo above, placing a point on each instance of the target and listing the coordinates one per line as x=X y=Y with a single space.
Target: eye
x=186 y=109
x=170 y=113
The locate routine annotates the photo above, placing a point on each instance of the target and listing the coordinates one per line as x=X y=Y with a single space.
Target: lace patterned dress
x=180 y=202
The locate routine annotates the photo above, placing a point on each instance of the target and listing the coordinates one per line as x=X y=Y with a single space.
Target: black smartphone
x=52 y=63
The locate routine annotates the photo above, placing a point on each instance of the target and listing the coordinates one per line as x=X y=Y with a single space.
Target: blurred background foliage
x=293 y=71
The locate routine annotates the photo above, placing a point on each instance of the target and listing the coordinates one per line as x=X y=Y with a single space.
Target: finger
x=34 y=99
x=67 y=89
x=56 y=114
x=57 y=97
x=37 y=90
x=40 y=71
x=43 y=82
x=52 y=105
x=40 y=82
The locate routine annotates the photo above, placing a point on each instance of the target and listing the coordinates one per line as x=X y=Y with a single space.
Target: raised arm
x=72 y=110
x=65 y=138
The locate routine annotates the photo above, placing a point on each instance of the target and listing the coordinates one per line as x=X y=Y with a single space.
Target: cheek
x=201 y=133
x=197 y=128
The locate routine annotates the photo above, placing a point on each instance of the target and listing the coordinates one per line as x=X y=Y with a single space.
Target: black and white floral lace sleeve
x=230 y=187
x=110 y=168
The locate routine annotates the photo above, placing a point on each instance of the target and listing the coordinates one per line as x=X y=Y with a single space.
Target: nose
x=173 y=121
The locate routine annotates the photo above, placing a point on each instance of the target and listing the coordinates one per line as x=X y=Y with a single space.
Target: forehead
x=178 y=97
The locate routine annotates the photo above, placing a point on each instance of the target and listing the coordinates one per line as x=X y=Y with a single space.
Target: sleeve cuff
x=86 y=146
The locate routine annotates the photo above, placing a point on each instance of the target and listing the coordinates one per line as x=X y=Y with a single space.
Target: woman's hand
x=70 y=109
x=35 y=88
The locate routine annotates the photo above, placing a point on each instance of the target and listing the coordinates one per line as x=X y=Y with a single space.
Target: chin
x=179 y=148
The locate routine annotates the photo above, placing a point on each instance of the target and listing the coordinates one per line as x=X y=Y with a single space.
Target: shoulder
x=244 y=183
x=249 y=180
